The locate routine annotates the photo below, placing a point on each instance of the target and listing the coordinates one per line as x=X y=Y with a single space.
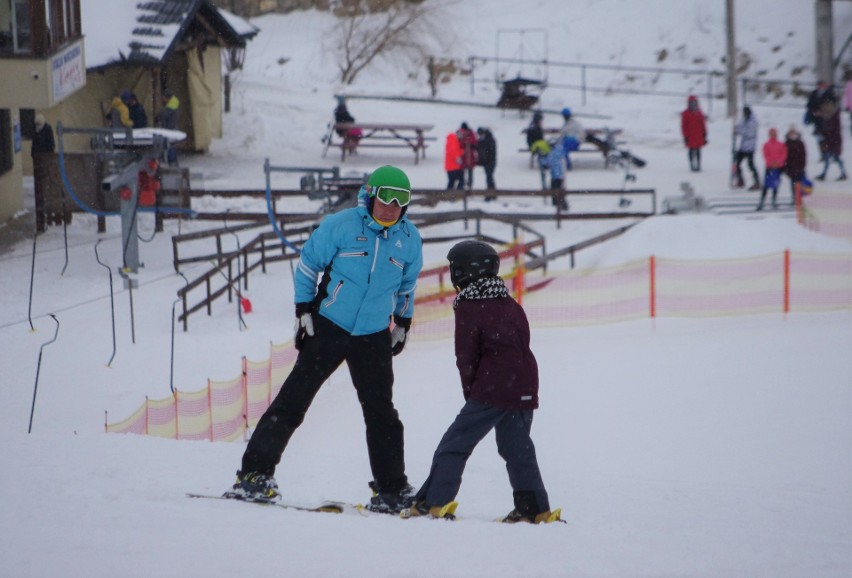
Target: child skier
x=775 y=156
x=499 y=378
x=551 y=158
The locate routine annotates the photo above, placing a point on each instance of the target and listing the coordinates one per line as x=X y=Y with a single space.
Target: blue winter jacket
x=372 y=270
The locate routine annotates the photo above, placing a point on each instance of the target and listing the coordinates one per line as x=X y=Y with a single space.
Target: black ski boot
x=254 y=487
x=391 y=502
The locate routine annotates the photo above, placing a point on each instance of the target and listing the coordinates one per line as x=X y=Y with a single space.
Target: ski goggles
x=387 y=195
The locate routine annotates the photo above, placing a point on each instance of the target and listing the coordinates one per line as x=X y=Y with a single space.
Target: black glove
x=304 y=326
x=399 y=334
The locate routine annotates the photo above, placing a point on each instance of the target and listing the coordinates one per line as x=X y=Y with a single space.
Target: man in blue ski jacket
x=357 y=271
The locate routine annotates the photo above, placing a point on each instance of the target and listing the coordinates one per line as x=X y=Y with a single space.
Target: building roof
x=139 y=32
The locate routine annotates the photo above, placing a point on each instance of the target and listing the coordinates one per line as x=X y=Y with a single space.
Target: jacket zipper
x=375 y=257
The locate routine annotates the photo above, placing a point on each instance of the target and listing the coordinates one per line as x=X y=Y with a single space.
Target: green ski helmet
x=389 y=185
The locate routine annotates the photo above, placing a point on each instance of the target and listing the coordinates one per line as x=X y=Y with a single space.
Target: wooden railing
x=222 y=279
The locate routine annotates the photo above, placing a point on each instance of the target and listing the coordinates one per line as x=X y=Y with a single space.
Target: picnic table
x=601 y=140
x=377 y=135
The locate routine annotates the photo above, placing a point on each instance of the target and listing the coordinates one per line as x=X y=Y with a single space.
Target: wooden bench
x=377 y=135
x=598 y=140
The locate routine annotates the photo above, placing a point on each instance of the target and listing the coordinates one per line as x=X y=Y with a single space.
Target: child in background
x=774 y=156
x=797 y=160
x=499 y=376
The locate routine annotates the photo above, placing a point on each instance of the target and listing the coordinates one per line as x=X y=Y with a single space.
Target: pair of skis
x=333 y=507
x=328 y=507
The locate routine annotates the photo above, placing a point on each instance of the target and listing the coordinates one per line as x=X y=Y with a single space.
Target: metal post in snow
x=132 y=319
x=172 y=360
x=64 y=234
x=32 y=279
x=240 y=322
x=111 y=299
x=38 y=370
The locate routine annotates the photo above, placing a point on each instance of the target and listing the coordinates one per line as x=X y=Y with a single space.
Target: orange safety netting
x=653 y=287
x=827 y=212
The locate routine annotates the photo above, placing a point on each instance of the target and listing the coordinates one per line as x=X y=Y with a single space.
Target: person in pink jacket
x=775 y=157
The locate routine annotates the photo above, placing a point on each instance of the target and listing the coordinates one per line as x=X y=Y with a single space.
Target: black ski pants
x=370 y=365
x=747 y=156
x=472 y=424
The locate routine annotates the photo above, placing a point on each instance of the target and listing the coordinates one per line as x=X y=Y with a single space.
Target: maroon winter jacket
x=832 y=139
x=797 y=158
x=468 y=142
x=493 y=353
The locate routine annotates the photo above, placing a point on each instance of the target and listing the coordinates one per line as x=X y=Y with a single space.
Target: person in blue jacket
x=357 y=271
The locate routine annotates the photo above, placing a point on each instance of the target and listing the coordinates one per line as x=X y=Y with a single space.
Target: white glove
x=398 y=336
x=303 y=328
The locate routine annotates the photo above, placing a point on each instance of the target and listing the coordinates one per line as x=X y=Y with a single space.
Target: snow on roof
x=142 y=32
x=241 y=26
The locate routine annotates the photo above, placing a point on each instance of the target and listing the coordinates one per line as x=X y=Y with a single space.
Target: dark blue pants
x=474 y=421
x=455 y=180
x=370 y=366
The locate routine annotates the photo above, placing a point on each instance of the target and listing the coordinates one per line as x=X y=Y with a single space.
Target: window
x=6 y=155
x=21 y=25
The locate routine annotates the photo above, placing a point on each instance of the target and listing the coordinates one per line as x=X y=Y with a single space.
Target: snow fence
x=777 y=283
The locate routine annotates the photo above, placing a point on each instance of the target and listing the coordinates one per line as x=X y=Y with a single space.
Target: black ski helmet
x=471 y=260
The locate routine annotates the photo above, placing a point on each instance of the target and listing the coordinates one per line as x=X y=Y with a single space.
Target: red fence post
x=210 y=407
x=800 y=214
x=786 y=280
x=177 y=417
x=652 y=266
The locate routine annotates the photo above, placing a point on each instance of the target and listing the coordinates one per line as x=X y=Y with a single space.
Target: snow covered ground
x=676 y=447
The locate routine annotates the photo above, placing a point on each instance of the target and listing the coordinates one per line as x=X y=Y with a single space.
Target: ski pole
x=38 y=370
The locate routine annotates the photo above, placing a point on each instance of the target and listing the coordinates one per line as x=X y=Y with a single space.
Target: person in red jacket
x=694 y=131
x=499 y=378
x=775 y=157
x=453 y=162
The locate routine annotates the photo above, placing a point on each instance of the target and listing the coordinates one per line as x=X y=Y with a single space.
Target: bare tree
x=368 y=30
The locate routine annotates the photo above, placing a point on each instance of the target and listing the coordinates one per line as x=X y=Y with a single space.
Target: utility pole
x=824 y=41
x=731 y=59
